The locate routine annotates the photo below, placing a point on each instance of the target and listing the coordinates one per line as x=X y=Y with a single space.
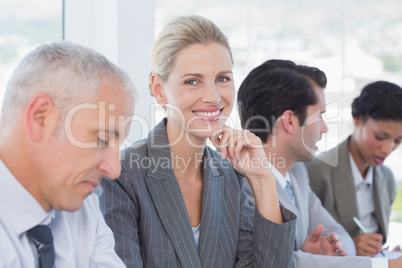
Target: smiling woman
x=199 y=92
x=193 y=211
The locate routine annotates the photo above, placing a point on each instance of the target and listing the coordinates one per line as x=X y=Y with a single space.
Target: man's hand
x=368 y=244
x=397 y=249
x=323 y=245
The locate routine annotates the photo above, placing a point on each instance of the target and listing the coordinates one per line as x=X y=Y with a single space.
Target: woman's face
x=199 y=93
x=376 y=139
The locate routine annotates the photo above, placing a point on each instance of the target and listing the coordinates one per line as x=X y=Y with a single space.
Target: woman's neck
x=187 y=151
x=361 y=164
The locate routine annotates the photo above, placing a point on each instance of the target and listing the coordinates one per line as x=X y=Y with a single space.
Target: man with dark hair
x=282 y=103
x=284 y=84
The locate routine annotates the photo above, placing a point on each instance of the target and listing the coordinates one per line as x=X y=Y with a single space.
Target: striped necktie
x=289 y=192
x=41 y=236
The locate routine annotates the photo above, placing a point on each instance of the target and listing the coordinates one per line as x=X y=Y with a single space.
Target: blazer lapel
x=381 y=200
x=302 y=203
x=212 y=200
x=168 y=200
x=344 y=190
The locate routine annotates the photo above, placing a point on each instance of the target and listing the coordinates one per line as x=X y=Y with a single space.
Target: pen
x=363 y=229
x=360 y=225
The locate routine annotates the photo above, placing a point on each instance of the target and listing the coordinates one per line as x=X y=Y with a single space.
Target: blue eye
x=191 y=82
x=222 y=79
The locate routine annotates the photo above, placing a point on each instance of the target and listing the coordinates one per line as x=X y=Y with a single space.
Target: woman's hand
x=245 y=153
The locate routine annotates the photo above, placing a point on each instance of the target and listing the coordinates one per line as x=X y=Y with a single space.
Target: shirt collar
x=18 y=205
x=357 y=176
x=279 y=177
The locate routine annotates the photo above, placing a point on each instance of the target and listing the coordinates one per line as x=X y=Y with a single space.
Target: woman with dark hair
x=351 y=180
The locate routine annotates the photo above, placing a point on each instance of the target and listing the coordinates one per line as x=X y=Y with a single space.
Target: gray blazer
x=310 y=213
x=335 y=187
x=146 y=211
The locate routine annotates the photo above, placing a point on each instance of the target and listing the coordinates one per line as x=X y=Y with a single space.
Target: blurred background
x=354 y=42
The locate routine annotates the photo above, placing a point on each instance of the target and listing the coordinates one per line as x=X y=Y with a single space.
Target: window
x=24 y=25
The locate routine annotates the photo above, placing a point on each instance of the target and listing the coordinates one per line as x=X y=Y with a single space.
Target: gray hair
x=179 y=34
x=66 y=72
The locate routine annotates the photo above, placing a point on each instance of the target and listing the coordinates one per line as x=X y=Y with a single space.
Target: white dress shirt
x=364 y=196
x=196 y=233
x=283 y=180
x=280 y=178
x=365 y=204
x=81 y=238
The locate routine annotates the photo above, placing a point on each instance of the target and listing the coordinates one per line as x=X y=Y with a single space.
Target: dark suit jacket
x=332 y=181
x=146 y=211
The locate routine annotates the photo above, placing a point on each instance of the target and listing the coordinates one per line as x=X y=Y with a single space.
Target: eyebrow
x=201 y=76
x=192 y=74
x=225 y=72
x=385 y=133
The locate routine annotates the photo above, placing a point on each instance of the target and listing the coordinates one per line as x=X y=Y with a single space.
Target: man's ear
x=157 y=90
x=288 y=121
x=38 y=117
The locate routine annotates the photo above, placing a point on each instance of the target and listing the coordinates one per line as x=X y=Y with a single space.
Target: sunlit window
x=24 y=25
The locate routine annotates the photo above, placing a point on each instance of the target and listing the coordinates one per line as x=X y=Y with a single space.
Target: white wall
x=123 y=31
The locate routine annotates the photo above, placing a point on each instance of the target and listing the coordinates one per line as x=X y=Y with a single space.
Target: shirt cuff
x=379 y=262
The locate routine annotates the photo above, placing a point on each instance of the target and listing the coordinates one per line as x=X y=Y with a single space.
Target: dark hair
x=379 y=100
x=274 y=87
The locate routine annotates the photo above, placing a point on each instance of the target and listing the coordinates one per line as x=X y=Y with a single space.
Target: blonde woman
x=177 y=203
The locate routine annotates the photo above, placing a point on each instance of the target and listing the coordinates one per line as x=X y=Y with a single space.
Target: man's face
x=310 y=133
x=73 y=163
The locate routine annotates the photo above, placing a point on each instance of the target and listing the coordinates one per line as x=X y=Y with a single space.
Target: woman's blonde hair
x=179 y=34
